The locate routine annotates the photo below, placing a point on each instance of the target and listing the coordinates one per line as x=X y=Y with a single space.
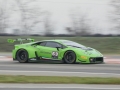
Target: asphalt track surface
x=53 y=69
x=10 y=67
x=56 y=69
x=57 y=87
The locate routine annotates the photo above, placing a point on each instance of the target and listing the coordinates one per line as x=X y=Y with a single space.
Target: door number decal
x=54 y=54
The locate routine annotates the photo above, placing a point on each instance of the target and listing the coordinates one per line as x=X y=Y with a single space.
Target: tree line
x=33 y=16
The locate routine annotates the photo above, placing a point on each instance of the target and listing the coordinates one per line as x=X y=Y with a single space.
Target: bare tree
x=80 y=24
x=30 y=16
x=48 y=24
x=115 y=16
x=3 y=19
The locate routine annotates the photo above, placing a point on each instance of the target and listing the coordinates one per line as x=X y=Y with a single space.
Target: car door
x=50 y=51
x=42 y=49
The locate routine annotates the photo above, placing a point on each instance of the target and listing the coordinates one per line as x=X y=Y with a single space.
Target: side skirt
x=44 y=60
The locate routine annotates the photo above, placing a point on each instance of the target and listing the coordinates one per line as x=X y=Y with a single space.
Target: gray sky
x=96 y=10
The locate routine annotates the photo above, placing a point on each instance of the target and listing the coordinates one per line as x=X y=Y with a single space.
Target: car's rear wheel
x=69 y=57
x=22 y=56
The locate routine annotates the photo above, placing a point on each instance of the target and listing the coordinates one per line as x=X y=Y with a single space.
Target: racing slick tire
x=69 y=57
x=22 y=56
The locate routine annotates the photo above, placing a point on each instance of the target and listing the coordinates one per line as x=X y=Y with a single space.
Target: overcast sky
x=96 y=10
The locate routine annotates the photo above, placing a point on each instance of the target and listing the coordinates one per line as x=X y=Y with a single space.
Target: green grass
x=106 y=45
x=58 y=80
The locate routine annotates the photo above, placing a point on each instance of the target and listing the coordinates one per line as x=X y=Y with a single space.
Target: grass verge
x=58 y=80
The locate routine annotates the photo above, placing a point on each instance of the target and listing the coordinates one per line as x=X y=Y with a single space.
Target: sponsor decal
x=83 y=57
x=45 y=52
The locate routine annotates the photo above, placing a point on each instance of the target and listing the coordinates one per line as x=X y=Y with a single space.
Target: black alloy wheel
x=69 y=57
x=22 y=56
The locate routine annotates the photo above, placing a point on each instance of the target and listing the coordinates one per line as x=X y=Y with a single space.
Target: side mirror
x=58 y=48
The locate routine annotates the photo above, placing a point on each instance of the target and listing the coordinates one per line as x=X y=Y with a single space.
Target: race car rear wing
x=20 y=40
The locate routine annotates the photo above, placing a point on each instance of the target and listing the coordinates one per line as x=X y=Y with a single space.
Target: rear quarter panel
x=30 y=49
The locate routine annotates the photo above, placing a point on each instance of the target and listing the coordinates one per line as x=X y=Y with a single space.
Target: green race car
x=65 y=51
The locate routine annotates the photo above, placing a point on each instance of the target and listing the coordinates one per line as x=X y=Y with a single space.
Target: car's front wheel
x=69 y=57
x=22 y=56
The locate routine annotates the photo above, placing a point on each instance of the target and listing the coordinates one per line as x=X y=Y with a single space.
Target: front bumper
x=96 y=60
x=91 y=60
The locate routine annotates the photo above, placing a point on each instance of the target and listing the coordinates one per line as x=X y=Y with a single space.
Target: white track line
x=61 y=86
x=57 y=72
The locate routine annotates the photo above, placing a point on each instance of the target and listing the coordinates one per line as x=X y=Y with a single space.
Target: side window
x=42 y=43
x=53 y=44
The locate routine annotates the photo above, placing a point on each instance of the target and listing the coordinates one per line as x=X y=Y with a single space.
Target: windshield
x=71 y=43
